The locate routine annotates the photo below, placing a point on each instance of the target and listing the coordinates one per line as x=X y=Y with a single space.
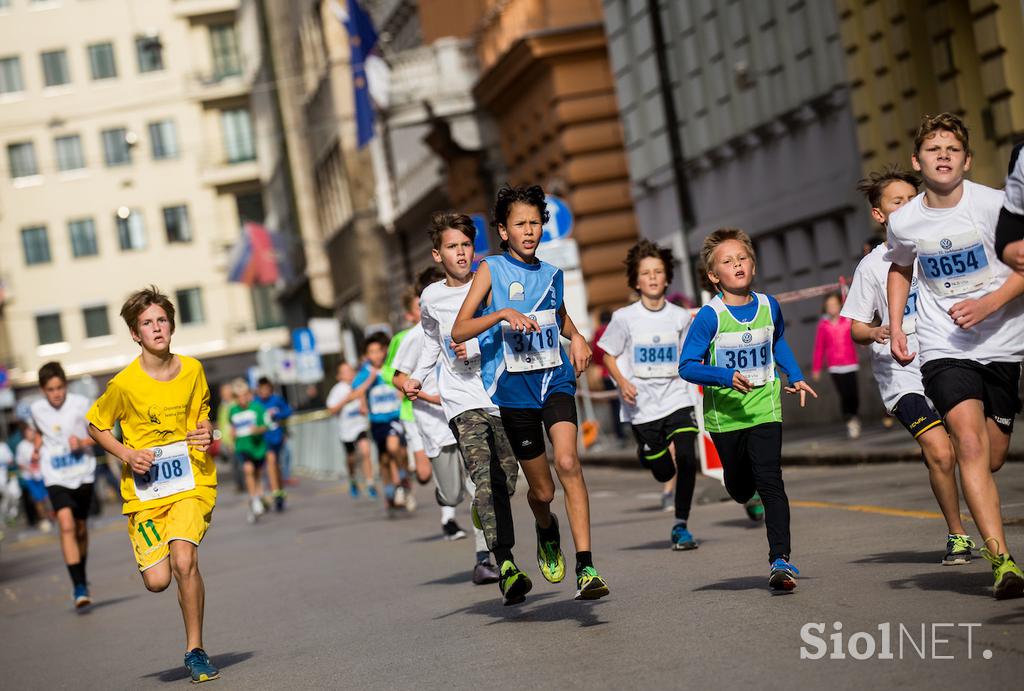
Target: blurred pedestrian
x=10 y=489
x=31 y=477
x=226 y=448
x=607 y=381
x=276 y=410
x=248 y=419
x=353 y=428
x=834 y=349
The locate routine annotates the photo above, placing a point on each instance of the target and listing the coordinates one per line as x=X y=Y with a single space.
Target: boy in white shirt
x=353 y=427
x=900 y=386
x=970 y=325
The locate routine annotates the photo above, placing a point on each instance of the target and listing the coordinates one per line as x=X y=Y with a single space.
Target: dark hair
x=930 y=124
x=509 y=195
x=443 y=220
x=834 y=294
x=51 y=370
x=139 y=301
x=264 y=381
x=874 y=184
x=429 y=275
x=377 y=337
x=643 y=250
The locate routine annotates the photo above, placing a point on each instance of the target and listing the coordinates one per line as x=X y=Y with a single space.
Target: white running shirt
x=458 y=380
x=351 y=421
x=430 y=418
x=866 y=299
x=58 y=464
x=646 y=347
x=954 y=250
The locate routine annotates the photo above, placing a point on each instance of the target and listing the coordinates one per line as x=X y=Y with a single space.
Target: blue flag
x=362 y=41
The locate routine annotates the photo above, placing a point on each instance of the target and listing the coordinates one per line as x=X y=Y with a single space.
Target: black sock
x=501 y=555
x=77 y=572
x=583 y=560
x=481 y=557
x=550 y=533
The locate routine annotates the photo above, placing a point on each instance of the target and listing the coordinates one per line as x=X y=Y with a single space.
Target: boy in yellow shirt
x=168 y=481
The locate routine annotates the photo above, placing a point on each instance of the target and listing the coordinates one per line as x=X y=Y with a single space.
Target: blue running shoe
x=81 y=597
x=371 y=491
x=198 y=664
x=783 y=575
x=682 y=539
x=353 y=490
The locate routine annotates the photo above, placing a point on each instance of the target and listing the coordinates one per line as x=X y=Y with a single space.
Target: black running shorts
x=525 y=427
x=949 y=381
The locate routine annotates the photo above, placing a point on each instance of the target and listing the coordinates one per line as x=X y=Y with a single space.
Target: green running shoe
x=549 y=554
x=198 y=664
x=1009 y=578
x=754 y=507
x=590 y=585
x=958 y=550
x=514 y=583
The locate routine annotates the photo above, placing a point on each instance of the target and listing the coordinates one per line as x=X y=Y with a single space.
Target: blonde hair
x=712 y=241
x=239 y=386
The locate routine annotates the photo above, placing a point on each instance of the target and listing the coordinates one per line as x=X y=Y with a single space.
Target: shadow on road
x=949 y=579
x=106 y=603
x=741 y=523
x=1014 y=618
x=559 y=610
x=745 y=583
x=663 y=545
x=221 y=662
x=457 y=578
x=901 y=557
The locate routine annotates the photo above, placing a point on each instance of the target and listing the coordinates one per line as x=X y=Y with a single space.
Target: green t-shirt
x=387 y=372
x=243 y=422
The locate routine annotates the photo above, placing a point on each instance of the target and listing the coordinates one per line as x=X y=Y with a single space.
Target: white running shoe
x=853 y=428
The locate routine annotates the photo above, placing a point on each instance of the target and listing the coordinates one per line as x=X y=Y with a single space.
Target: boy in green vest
x=732 y=349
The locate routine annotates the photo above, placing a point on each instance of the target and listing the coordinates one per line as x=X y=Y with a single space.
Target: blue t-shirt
x=528 y=288
x=276 y=409
x=703 y=329
x=381 y=398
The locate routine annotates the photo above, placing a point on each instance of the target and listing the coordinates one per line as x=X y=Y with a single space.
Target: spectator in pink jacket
x=834 y=348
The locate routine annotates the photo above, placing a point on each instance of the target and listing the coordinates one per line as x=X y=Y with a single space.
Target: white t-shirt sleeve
x=338 y=393
x=1014 y=201
x=24 y=453
x=6 y=457
x=862 y=298
x=431 y=349
x=408 y=352
x=613 y=340
x=902 y=250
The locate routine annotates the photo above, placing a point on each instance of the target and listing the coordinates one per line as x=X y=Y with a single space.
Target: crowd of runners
x=482 y=389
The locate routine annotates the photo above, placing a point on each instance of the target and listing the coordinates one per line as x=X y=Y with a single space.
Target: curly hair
x=509 y=195
x=874 y=184
x=943 y=121
x=643 y=250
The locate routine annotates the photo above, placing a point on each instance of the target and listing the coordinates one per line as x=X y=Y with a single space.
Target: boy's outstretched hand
x=803 y=389
x=579 y=354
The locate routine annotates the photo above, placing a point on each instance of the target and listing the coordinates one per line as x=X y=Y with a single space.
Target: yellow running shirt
x=154 y=414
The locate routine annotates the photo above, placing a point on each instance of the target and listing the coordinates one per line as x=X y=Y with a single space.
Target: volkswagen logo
x=748 y=337
x=656 y=339
x=157 y=453
x=945 y=244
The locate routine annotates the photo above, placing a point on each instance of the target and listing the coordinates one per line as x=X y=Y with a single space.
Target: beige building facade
x=129 y=158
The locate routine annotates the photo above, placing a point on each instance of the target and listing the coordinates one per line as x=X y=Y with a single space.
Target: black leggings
x=752 y=462
x=686 y=477
x=849 y=397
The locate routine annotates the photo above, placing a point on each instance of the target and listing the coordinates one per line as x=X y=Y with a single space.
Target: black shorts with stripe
x=653 y=438
x=916 y=414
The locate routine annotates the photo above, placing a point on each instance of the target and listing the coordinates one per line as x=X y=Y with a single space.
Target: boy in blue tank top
x=732 y=349
x=531 y=379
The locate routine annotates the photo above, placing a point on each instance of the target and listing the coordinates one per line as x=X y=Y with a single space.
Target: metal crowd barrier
x=316 y=449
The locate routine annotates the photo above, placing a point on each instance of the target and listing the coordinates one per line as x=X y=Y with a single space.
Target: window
x=69 y=152
x=164 y=139
x=101 y=61
x=96 y=322
x=238 y=141
x=36 y=244
x=83 y=237
x=10 y=75
x=150 y=53
x=21 y=158
x=190 y=306
x=176 y=222
x=265 y=308
x=131 y=231
x=48 y=328
x=4 y=4
x=250 y=207
x=116 y=151
x=224 y=48
x=55 y=68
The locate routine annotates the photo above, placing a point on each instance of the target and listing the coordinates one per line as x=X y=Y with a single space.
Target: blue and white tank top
x=523 y=370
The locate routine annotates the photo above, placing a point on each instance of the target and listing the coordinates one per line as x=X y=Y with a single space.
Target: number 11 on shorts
x=152 y=528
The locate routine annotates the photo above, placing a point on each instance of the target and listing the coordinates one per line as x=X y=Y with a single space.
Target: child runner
x=10 y=490
x=168 y=481
x=346 y=402
x=431 y=426
x=472 y=416
x=732 y=349
x=901 y=388
x=249 y=427
x=1010 y=231
x=31 y=476
x=384 y=404
x=530 y=377
x=68 y=464
x=971 y=326
x=413 y=441
x=276 y=410
x=833 y=348
x=641 y=346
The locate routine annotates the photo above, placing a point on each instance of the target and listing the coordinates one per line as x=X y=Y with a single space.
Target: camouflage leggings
x=494 y=470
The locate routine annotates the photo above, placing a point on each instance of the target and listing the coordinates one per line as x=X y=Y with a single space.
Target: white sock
x=447 y=514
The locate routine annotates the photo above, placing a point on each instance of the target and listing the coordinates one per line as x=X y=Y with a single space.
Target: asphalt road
x=331 y=594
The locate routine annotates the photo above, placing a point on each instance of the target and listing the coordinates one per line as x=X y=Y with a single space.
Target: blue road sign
x=303 y=341
x=560 y=219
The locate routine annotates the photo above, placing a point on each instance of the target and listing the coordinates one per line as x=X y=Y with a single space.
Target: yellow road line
x=867 y=508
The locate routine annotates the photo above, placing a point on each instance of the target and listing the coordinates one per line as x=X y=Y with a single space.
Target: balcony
x=198 y=8
x=219 y=172
x=210 y=88
x=442 y=74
